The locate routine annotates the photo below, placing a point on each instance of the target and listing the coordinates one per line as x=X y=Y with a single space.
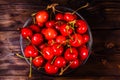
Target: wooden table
x=103 y=16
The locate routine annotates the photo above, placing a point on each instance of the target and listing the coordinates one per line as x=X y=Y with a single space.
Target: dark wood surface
x=103 y=16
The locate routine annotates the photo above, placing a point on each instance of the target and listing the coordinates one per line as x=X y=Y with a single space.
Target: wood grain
x=103 y=18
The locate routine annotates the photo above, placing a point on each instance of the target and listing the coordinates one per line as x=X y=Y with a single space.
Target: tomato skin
x=42 y=16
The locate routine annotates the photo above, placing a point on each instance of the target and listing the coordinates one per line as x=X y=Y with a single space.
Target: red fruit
x=75 y=16
x=50 y=24
x=81 y=26
x=58 y=24
x=35 y=28
x=42 y=16
x=48 y=53
x=57 y=49
x=50 y=33
x=59 y=16
x=51 y=42
x=41 y=46
x=74 y=64
x=60 y=62
x=40 y=24
x=37 y=39
x=83 y=53
x=69 y=17
x=65 y=30
x=26 y=32
x=50 y=68
x=43 y=30
x=30 y=51
x=86 y=38
x=38 y=61
x=76 y=40
x=61 y=39
x=71 y=54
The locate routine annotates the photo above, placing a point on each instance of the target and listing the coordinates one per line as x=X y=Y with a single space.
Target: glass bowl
x=29 y=21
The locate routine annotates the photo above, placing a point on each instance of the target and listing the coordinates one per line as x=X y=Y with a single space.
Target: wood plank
x=56 y=78
x=103 y=40
x=16 y=14
x=103 y=62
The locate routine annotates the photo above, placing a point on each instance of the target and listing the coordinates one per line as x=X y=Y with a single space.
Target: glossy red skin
x=76 y=40
x=69 y=17
x=26 y=32
x=69 y=56
x=83 y=53
x=37 y=39
x=35 y=28
x=81 y=26
x=51 y=42
x=61 y=39
x=42 y=16
x=48 y=53
x=38 y=61
x=74 y=64
x=64 y=31
x=41 y=46
x=57 y=51
x=50 y=68
x=86 y=38
x=43 y=31
x=30 y=51
x=58 y=24
x=59 y=16
x=50 y=33
x=40 y=24
x=50 y=24
x=60 y=62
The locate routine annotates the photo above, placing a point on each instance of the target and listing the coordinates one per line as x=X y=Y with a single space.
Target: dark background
x=103 y=17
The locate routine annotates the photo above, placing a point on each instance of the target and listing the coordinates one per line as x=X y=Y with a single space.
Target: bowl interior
x=29 y=21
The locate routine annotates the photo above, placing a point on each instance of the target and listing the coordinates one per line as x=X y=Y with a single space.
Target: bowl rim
x=89 y=43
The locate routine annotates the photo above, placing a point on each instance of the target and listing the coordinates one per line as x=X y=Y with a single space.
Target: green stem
x=30 y=73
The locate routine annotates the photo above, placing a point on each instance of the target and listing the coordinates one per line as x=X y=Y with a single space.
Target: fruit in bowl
x=56 y=40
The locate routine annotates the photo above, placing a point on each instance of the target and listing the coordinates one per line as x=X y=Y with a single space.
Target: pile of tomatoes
x=56 y=43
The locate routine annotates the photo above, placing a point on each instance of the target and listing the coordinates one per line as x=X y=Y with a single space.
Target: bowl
x=29 y=21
